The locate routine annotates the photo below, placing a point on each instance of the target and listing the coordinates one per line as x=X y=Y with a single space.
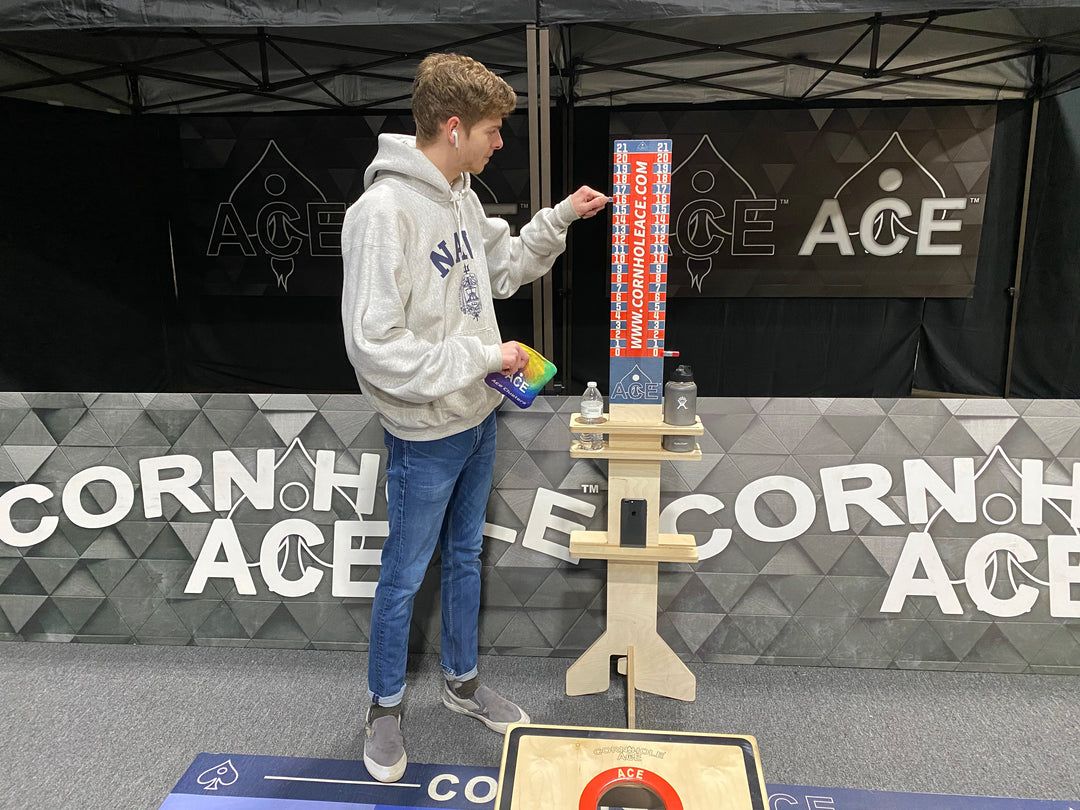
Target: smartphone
x=632 y=529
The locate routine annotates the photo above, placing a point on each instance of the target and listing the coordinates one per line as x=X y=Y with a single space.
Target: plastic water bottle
x=592 y=413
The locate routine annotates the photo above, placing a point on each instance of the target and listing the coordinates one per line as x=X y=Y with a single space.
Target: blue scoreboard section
x=636 y=380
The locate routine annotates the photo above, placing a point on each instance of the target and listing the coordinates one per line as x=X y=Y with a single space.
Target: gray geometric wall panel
x=932 y=534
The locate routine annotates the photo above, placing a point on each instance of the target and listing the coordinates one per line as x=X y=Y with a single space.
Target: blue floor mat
x=244 y=782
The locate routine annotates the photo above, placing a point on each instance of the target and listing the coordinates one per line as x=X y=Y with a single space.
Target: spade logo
x=897 y=172
x=223 y=774
x=276 y=212
x=636 y=385
x=723 y=215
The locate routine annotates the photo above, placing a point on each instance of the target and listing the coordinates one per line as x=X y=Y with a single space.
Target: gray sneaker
x=475 y=700
x=384 y=748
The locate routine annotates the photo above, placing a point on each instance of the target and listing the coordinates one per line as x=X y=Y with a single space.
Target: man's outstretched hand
x=588 y=202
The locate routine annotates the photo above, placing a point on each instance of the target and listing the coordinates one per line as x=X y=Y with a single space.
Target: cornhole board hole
x=569 y=768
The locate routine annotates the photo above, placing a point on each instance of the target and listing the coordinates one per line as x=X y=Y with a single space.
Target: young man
x=422 y=264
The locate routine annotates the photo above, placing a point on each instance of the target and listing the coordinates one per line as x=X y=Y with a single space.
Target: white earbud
x=453 y=134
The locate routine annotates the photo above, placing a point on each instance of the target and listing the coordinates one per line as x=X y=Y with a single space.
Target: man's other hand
x=588 y=202
x=514 y=358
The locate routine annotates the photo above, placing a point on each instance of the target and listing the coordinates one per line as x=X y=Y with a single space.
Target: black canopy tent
x=157 y=56
x=178 y=58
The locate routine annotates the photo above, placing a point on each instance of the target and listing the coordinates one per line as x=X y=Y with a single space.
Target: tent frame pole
x=1037 y=90
x=1014 y=290
x=538 y=50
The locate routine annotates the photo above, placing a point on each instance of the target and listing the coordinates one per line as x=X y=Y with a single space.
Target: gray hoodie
x=422 y=264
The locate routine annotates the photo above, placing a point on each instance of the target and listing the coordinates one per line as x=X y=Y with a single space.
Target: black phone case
x=632 y=531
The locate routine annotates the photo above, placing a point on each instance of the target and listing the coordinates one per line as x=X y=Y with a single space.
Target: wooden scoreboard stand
x=545 y=767
x=635 y=429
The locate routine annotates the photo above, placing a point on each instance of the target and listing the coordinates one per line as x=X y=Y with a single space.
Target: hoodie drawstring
x=456 y=196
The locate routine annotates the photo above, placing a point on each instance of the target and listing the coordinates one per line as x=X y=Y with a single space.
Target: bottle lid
x=682 y=373
x=590 y=384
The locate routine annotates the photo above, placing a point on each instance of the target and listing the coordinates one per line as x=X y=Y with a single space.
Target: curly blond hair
x=449 y=84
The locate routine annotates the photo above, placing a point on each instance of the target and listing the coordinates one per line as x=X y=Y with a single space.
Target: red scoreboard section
x=641 y=208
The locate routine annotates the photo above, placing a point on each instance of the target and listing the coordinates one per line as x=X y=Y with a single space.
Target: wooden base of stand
x=634 y=454
x=631 y=622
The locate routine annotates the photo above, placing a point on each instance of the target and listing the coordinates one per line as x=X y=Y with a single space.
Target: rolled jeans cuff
x=468 y=676
x=389 y=700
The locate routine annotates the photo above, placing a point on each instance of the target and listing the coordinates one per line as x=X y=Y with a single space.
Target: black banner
x=845 y=202
x=266 y=196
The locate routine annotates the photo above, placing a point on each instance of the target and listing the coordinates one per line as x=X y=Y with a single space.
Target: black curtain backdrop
x=965 y=341
x=1046 y=359
x=89 y=301
x=84 y=250
x=263 y=344
x=849 y=347
x=276 y=342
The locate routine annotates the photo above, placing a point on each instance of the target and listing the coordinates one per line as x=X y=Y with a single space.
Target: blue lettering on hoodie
x=443 y=262
x=443 y=259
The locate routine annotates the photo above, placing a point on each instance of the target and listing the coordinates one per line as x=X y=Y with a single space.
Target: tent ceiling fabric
x=249 y=70
x=47 y=15
x=154 y=57
x=23 y=15
x=560 y=11
x=979 y=55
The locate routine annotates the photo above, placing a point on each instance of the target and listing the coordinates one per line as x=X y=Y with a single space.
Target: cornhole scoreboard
x=640 y=214
x=640 y=210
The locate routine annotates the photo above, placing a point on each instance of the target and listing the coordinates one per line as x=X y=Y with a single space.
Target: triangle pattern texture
x=119 y=570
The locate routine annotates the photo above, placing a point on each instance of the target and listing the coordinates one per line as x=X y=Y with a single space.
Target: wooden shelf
x=660 y=454
x=640 y=428
x=671 y=548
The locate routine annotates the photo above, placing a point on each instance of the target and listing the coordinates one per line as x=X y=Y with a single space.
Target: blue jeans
x=437 y=492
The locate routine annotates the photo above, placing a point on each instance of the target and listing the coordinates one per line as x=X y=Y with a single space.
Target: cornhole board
x=570 y=768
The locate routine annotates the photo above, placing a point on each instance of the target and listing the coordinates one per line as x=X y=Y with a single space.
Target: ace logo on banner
x=264 y=201
x=884 y=202
x=264 y=198
x=277 y=216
